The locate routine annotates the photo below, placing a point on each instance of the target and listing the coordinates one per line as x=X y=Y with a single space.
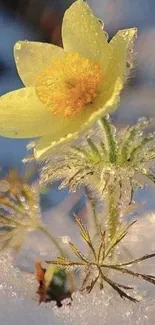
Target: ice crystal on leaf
x=111 y=165
x=118 y=162
x=20 y=212
x=99 y=260
x=65 y=92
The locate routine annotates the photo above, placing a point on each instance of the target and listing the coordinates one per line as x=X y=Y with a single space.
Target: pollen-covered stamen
x=69 y=84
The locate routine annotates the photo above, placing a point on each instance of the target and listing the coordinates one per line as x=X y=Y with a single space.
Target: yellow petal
x=82 y=33
x=121 y=56
x=105 y=102
x=22 y=115
x=45 y=145
x=32 y=57
x=63 y=130
x=68 y=129
x=117 y=70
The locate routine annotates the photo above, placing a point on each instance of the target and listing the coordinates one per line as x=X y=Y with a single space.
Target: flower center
x=68 y=85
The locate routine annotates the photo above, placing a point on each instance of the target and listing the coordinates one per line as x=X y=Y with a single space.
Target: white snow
x=19 y=305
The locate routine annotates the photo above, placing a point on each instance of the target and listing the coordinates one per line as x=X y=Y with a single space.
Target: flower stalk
x=113 y=214
x=70 y=88
x=108 y=167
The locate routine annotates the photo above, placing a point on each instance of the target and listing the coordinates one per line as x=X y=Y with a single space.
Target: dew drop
x=22 y=199
x=142 y=119
x=18 y=46
x=31 y=145
x=65 y=239
x=126 y=33
x=101 y=23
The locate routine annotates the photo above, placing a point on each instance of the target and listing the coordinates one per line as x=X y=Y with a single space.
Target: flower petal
x=45 y=146
x=64 y=129
x=118 y=68
x=69 y=129
x=32 y=57
x=105 y=102
x=121 y=55
x=82 y=33
x=22 y=115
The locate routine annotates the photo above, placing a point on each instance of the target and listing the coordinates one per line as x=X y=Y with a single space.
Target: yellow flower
x=66 y=89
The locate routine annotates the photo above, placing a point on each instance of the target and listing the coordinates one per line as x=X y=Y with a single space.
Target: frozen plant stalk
x=111 y=168
x=65 y=92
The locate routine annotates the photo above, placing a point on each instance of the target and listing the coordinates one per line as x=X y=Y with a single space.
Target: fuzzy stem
x=93 y=222
x=113 y=214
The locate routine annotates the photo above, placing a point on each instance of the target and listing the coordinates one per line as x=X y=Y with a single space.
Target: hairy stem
x=93 y=222
x=113 y=214
x=95 y=219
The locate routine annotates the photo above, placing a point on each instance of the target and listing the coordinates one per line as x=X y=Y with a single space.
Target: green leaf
x=127 y=140
x=138 y=260
x=116 y=286
x=83 y=153
x=109 y=139
x=140 y=147
x=60 y=261
x=10 y=239
x=101 y=251
x=84 y=231
x=90 y=288
x=146 y=277
x=119 y=235
x=9 y=221
x=104 y=151
x=78 y=253
x=94 y=149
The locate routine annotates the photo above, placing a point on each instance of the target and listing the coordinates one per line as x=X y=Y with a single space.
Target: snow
x=19 y=305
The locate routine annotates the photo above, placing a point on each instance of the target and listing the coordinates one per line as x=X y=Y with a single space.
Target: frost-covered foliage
x=19 y=304
x=99 y=261
x=81 y=86
x=20 y=212
x=117 y=161
x=111 y=165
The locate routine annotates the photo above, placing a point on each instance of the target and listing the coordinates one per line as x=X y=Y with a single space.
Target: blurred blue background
x=41 y=20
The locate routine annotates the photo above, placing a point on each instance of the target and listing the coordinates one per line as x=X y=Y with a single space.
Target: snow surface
x=19 y=305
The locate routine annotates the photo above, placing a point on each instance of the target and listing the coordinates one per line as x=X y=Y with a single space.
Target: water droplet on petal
x=101 y=22
x=18 y=46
